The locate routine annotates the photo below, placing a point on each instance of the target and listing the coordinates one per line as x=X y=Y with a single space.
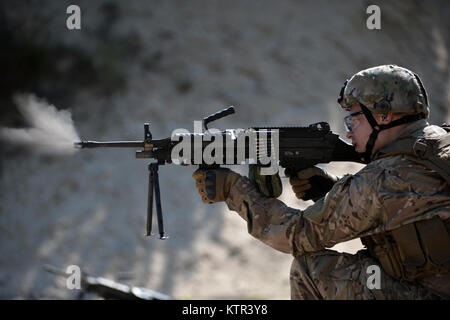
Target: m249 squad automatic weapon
x=293 y=148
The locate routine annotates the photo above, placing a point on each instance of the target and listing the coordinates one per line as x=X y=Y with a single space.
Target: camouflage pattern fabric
x=387 y=193
x=268 y=185
x=329 y=274
x=387 y=88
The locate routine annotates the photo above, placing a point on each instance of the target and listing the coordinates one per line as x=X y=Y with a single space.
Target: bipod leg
x=159 y=214
x=150 y=199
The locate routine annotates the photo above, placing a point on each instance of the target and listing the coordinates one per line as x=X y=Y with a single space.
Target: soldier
x=396 y=204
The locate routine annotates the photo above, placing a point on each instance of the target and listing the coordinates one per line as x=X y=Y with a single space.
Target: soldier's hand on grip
x=312 y=183
x=214 y=185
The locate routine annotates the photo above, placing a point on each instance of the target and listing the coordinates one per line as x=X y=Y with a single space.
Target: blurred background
x=169 y=63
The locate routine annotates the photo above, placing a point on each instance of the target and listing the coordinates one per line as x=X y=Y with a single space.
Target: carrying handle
x=217 y=115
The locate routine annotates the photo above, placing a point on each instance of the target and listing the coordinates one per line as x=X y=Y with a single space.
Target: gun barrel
x=109 y=144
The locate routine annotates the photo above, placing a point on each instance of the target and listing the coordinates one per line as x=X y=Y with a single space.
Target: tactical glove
x=214 y=185
x=312 y=183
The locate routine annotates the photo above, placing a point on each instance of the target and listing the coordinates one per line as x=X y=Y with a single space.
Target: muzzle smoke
x=51 y=131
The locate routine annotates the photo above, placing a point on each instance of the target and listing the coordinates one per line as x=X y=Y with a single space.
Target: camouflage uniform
x=386 y=194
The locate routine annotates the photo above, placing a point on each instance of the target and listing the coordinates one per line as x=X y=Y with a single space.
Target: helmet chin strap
x=376 y=128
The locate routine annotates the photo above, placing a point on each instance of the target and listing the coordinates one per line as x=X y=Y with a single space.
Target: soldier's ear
x=385 y=118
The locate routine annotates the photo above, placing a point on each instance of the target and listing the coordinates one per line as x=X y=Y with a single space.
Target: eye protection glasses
x=351 y=122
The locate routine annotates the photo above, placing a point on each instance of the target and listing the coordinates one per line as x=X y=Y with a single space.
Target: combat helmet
x=387 y=88
x=384 y=89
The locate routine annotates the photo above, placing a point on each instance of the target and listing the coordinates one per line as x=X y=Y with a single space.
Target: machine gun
x=293 y=148
x=108 y=289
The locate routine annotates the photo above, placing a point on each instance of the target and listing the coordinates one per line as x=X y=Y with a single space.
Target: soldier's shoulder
x=401 y=173
x=392 y=162
x=400 y=165
x=384 y=164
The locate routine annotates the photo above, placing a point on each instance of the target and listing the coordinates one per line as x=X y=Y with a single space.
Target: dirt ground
x=170 y=63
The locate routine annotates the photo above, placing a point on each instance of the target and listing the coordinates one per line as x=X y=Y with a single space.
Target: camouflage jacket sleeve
x=384 y=195
x=347 y=211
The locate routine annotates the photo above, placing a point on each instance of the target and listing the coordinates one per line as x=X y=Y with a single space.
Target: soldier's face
x=359 y=127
